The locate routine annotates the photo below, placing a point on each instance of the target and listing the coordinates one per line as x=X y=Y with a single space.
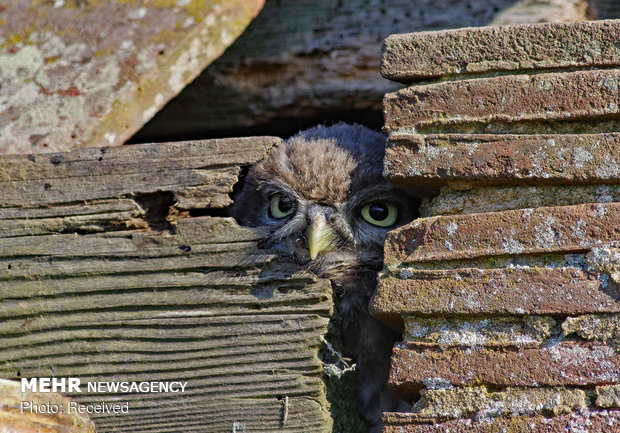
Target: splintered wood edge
x=100 y=285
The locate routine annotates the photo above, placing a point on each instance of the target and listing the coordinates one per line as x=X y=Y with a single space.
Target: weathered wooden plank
x=83 y=223
x=88 y=208
x=218 y=256
x=202 y=234
x=139 y=158
x=262 y=410
x=64 y=190
x=168 y=416
x=128 y=298
x=94 y=174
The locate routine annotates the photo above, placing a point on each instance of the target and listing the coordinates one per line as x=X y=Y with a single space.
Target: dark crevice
x=468 y=76
x=212 y=212
x=594 y=124
x=157 y=207
x=280 y=126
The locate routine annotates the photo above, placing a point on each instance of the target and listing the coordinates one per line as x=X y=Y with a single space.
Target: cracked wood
x=107 y=274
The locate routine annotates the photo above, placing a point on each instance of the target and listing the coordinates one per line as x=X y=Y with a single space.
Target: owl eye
x=281 y=206
x=380 y=213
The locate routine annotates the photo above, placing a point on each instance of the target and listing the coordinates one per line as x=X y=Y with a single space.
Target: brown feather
x=334 y=171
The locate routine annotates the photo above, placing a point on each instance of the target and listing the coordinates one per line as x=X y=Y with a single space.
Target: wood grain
x=107 y=275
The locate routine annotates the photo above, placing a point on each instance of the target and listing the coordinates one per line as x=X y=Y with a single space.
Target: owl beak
x=320 y=237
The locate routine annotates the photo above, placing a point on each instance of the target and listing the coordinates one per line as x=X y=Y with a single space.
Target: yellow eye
x=281 y=206
x=380 y=213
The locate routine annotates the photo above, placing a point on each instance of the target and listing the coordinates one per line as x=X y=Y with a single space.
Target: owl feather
x=323 y=196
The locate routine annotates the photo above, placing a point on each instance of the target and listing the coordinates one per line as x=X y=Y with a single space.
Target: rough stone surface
x=608 y=396
x=462 y=402
x=414 y=160
x=604 y=328
x=15 y=420
x=468 y=199
x=438 y=54
x=582 y=421
x=301 y=62
x=76 y=74
x=506 y=104
x=565 y=229
x=535 y=290
x=566 y=363
x=493 y=331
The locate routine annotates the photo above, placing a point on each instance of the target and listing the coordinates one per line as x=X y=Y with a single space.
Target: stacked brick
x=508 y=287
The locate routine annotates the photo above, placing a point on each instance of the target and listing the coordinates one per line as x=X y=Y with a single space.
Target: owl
x=322 y=195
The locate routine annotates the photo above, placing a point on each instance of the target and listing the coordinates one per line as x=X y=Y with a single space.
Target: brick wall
x=508 y=288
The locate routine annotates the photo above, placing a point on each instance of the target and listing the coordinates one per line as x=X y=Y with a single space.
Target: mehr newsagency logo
x=73 y=385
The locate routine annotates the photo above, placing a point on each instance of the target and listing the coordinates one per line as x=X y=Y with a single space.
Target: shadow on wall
x=303 y=62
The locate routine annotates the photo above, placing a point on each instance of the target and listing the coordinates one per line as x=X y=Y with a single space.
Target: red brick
x=561 y=229
x=424 y=55
x=434 y=160
x=505 y=100
x=567 y=363
x=566 y=291
x=584 y=421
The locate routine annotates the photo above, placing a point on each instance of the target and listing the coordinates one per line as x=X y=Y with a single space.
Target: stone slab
x=15 y=419
x=414 y=160
x=531 y=331
x=464 y=199
x=567 y=363
x=586 y=421
x=77 y=74
x=424 y=55
x=561 y=229
x=471 y=105
x=561 y=291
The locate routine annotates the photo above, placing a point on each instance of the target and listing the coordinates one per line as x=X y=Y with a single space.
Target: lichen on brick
x=464 y=401
x=493 y=199
x=530 y=331
x=608 y=396
x=606 y=260
x=602 y=327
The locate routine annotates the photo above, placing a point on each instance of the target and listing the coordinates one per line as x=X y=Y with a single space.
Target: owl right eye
x=382 y=214
x=281 y=206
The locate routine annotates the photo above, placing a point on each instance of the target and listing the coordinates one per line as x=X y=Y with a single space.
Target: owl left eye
x=379 y=213
x=281 y=206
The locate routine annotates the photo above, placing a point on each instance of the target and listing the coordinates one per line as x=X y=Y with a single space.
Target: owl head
x=323 y=196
